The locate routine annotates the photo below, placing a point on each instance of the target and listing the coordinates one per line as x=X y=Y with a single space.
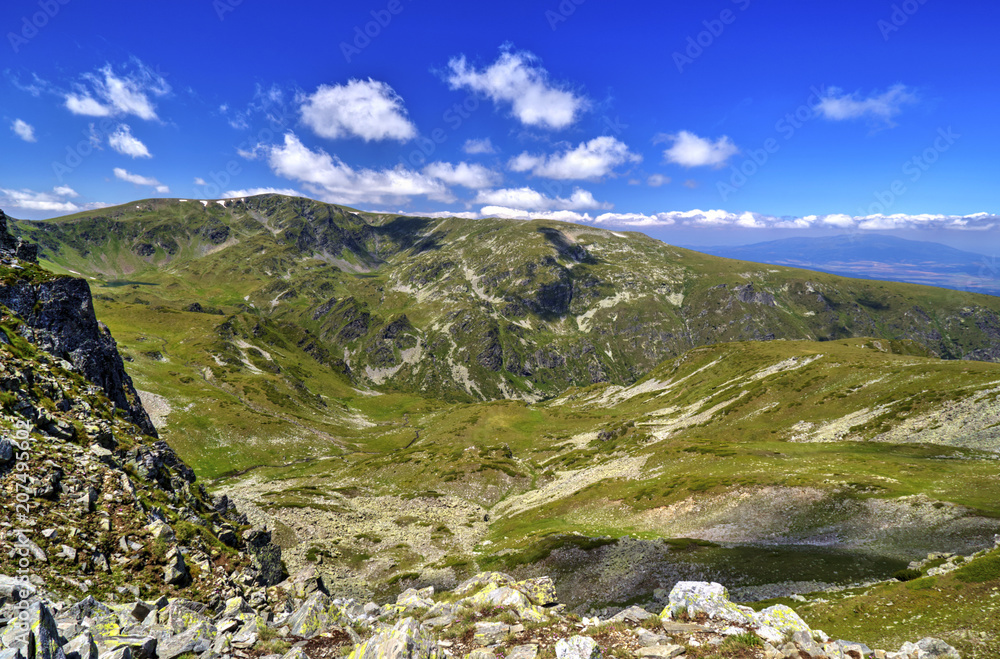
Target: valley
x=406 y=400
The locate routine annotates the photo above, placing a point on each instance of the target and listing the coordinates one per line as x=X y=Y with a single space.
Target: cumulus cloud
x=253 y=192
x=24 y=130
x=331 y=180
x=126 y=144
x=657 y=180
x=109 y=93
x=879 y=108
x=519 y=214
x=533 y=200
x=140 y=180
x=479 y=147
x=689 y=150
x=517 y=79
x=590 y=160
x=54 y=201
x=369 y=109
x=747 y=220
x=472 y=176
x=199 y=181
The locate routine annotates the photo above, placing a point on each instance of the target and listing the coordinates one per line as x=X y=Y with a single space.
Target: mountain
x=405 y=402
x=872 y=256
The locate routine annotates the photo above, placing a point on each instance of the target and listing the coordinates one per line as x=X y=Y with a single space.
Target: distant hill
x=876 y=257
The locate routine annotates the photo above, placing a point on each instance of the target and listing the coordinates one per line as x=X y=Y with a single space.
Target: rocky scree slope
x=483 y=309
x=90 y=504
x=490 y=615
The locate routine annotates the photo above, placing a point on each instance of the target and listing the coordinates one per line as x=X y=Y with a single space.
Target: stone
x=197 y=639
x=691 y=598
x=850 y=648
x=577 y=647
x=6 y=451
x=483 y=579
x=140 y=647
x=633 y=614
x=529 y=651
x=124 y=652
x=315 y=614
x=295 y=653
x=81 y=647
x=490 y=633
x=782 y=618
x=246 y=637
x=405 y=640
x=661 y=651
x=176 y=572
x=935 y=648
x=13 y=653
x=234 y=606
x=481 y=653
x=647 y=638
x=160 y=530
x=15 y=589
x=540 y=591
x=140 y=610
x=414 y=599
x=43 y=639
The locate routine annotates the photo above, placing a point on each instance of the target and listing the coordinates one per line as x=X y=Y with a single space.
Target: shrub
x=909 y=574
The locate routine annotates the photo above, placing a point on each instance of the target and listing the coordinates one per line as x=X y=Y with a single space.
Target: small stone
x=529 y=651
x=661 y=651
x=577 y=647
x=490 y=633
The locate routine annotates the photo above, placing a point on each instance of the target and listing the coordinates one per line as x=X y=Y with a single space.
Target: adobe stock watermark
x=33 y=24
x=912 y=170
x=714 y=28
x=223 y=7
x=786 y=128
x=365 y=34
x=93 y=136
x=217 y=181
x=562 y=12
x=900 y=16
x=453 y=118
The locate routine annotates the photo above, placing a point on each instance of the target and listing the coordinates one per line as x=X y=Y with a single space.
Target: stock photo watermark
x=365 y=34
x=32 y=24
x=18 y=536
x=453 y=118
x=223 y=7
x=93 y=136
x=913 y=169
x=714 y=28
x=786 y=128
x=562 y=12
x=900 y=16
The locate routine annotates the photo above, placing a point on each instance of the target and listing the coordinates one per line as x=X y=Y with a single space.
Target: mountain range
x=873 y=256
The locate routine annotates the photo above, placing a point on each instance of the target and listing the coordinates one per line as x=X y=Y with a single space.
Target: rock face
x=58 y=315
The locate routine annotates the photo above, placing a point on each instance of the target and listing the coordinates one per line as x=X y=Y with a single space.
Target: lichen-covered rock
x=44 y=641
x=405 y=640
x=541 y=591
x=691 y=598
x=490 y=633
x=668 y=651
x=316 y=613
x=482 y=580
x=81 y=647
x=529 y=651
x=577 y=647
x=197 y=639
x=175 y=572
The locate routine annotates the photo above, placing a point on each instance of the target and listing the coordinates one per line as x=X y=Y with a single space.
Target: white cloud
x=140 y=180
x=24 y=130
x=329 y=178
x=533 y=200
x=199 y=181
x=54 y=201
x=657 y=180
x=368 y=109
x=473 y=176
x=879 y=108
x=519 y=214
x=689 y=150
x=253 y=192
x=124 y=143
x=590 y=160
x=477 y=147
x=517 y=79
x=747 y=220
x=108 y=93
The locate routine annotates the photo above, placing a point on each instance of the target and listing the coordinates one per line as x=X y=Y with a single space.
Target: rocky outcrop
x=58 y=315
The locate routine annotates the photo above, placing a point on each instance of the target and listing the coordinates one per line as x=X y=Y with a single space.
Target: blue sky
x=699 y=123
